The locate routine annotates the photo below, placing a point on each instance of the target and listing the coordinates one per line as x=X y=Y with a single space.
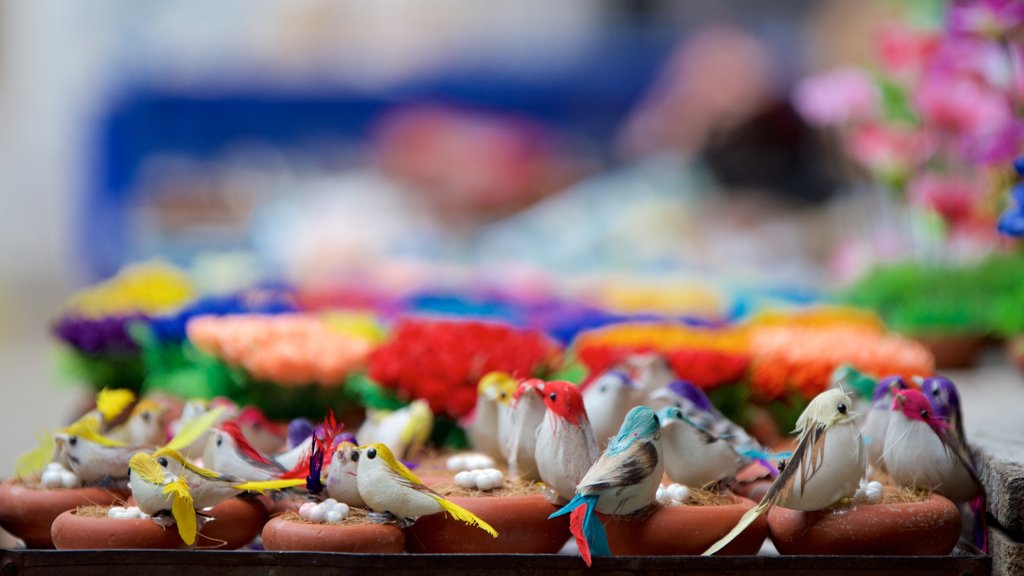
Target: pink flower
x=991 y=19
x=952 y=196
x=836 y=97
x=890 y=151
x=961 y=105
x=905 y=52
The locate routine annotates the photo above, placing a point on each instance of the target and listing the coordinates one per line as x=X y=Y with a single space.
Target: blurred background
x=548 y=146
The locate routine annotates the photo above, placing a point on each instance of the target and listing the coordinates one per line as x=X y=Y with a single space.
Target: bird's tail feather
x=460 y=513
x=270 y=485
x=977 y=506
x=591 y=538
x=745 y=521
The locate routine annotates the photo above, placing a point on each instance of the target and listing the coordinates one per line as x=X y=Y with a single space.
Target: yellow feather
x=747 y=519
x=88 y=428
x=270 y=485
x=147 y=468
x=183 y=510
x=417 y=429
x=193 y=429
x=461 y=514
x=32 y=463
x=110 y=403
x=176 y=456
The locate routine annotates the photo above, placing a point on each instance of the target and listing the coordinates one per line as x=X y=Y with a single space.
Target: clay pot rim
x=282 y=519
x=865 y=506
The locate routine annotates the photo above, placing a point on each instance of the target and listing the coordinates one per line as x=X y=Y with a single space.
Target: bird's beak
x=901 y=399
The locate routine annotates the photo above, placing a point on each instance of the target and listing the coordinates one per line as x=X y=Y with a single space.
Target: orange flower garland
x=802 y=358
x=287 y=349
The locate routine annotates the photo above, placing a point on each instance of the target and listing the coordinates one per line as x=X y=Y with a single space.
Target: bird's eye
x=841 y=408
x=220 y=440
x=553 y=396
x=924 y=414
x=162 y=462
x=145 y=416
x=355 y=456
x=935 y=391
x=603 y=389
x=679 y=414
x=371 y=453
x=657 y=420
x=504 y=395
x=73 y=440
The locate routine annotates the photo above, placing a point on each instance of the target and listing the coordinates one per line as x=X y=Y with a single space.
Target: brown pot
x=282 y=534
x=953 y=351
x=684 y=530
x=1015 y=351
x=73 y=532
x=521 y=521
x=928 y=528
x=28 y=512
x=236 y=522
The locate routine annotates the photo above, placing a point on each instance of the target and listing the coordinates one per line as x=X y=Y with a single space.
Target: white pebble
x=340 y=508
x=470 y=461
x=678 y=492
x=51 y=479
x=68 y=479
x=457 y=462
x=316 y=514
x=329 y=503
x=465 y=479
x=305 y=509
x=333 y=517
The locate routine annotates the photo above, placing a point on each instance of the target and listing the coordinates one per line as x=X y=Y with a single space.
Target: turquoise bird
x=624 y=480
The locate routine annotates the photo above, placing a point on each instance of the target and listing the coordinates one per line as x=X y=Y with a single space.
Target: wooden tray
x=965 y=561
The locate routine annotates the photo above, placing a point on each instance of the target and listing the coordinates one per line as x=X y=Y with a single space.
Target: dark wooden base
x=964 y=562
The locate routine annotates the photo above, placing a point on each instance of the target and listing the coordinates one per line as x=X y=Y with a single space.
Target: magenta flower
x=961 y=105
x=997 y=148
x=992 y=19
x=837 y=97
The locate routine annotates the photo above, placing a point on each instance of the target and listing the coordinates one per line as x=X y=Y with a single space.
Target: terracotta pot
x=73 y=532
x=752 y=490
x=236 y=522
x=953 y=351
x=521 y=521
x=282 y=534
x=29 y=512
x=928 y=528
x=685 y=530
x=280 y=505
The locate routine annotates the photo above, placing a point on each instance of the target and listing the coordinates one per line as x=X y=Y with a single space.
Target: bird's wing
x=193 y=429
x=810 y=449
x=627 y=468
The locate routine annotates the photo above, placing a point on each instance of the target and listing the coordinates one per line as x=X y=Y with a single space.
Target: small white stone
x=305 y=509
x=316 y=514
x=68 y=479
x=333 y=517
x=115 y=510
x=483 y=483
x=457 y=462
x=678 y=492
x=341 y=508
x=134 y=510
x=465 y=479
x=329 y=503
x=56 y=466
x=495 y=475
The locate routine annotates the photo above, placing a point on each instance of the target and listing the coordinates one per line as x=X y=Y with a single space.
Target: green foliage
x=918 y=298
x=571 y=370
x=105 y=371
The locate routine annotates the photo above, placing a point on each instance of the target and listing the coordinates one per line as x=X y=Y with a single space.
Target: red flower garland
x=704 y=367
x=441 y=361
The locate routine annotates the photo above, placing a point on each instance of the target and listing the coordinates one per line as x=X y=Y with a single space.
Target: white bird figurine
x=694 y=457
x=608 y=399
x=494 y=393
x=566 y=447
x=526 y=415
x=876 y=423
x=404 y=430
x=826 y=467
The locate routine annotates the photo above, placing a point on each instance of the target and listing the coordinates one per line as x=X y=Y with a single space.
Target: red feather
x=576 y=518
x=232 y=429
x=331 y=429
